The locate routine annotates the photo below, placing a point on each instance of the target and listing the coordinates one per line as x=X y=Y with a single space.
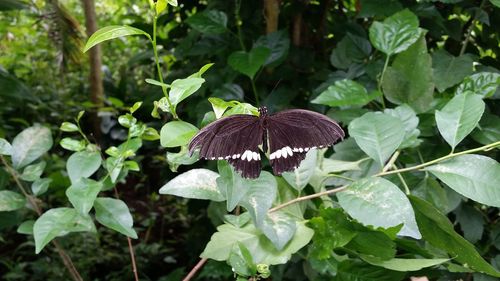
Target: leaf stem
x=256 y=95
x=381 y=80
x=238 y=24
x=407 y=189
x=307 y=197
x=391 y=161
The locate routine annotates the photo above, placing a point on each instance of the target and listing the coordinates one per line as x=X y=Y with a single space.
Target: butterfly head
x=263 y=111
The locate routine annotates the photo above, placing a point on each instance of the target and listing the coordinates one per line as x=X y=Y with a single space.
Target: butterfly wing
x=294 y=132
x=235 y=138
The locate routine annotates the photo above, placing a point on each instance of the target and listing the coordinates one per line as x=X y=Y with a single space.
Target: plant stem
x=469 y=31
x=66 y=259
x=238 y=24
x=195 y=269
x=160 y=73
x=256 y=95
x=307 y=197
x=381 y=80
x=407 y=189
x=340 y=177
x=391 y=161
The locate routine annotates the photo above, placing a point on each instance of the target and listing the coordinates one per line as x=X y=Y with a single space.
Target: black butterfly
x=290 y=133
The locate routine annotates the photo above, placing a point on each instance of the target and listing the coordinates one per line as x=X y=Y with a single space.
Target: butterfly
x=289 y=134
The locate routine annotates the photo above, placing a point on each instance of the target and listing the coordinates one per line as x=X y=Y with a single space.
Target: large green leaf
x=10 y=200
x=473 y=176
x=377 y=134
x=196 y=184
x=404 y=265
x=278 y=42
x=301 y=176
x=279 y=228
x=82 y=194
x=410 y=124
x=355 y=270
x=484 y=84
x=83 y=164
x=396 y=33
x=378 y=202
x=259 y=196
x=459 y=117
x=180 y=89
x=231 y=184
x=112 y=32
x=114 y=214
x=488 y=130
x=351 y=49
x=249 y=63
x=177 y=133
x=409 y=79
x=449 y=70
x=59 y=222
x=439 y=232
x=344 y=93
x=262 y=250
x=5 y=147
x=209 y=21
x=29 y=145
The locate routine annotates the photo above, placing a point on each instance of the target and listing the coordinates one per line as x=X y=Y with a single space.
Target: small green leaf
x=83 y=164
x=259 y=196
x=473 y=176
x=279 y=228
x=11 y=201
x=33 y=172
x=378 y=202
x=172 y=2
x=182 y=157
x=249 y=63
x=210 y=22
x=131 y=166
x=202 y=70
x=459 y=117
x=127 y=120
x=114 y=167
x=377 y=134
x=80 y=115
x=59 y=222
x=29 y=145
x=241 y=261
x=157 y=83
x=219 y=106
x=5 y=147
x=134 y=107
x=279 y=44
x=349 y=50
x=72 y=144
x=404 y=265
x=161 y=5
x=82 y=194
x=26 y=227
x=40 y=186
x=410 y=124
x=183 y=88
x=484 y=84
x=114 y=214
x=396 y=33
x=68 y=127
x=137 y=130
x=196 y=184
x=345 y=93
x=177 y=133
x=150 y=134
x=301 y=176
x=449 y=70
x=112 y=32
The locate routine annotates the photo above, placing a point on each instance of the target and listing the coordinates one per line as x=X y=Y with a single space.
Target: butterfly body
x=288 y=135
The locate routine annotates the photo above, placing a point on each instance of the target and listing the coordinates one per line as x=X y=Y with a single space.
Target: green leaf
x=279 y=228
x=262 y=250
x=59 y=222
x=259 y=196
x=68 y=127
x=238 y=221
x=471 y=222
x=301 y=176
x=114 y=166
x=335 y=166
x=209 y=22
x=437 y=230
x=372 y=8
x=351 y=49
x=183 y=88
x=112 y=32
x=345 y=93
x=150 y=134
x=378 y=202
x=373 y=243
x=11 y=201
x=196 y=184
x=241 y=261
x=495 y=2
x=114 y=214
x=430 y=190
x=160 y=6
x=156 y=83
x=72 y=144
x=33 y=172
x=473 y=176
x=279 y=44
x=488 y=130
x=26 y=227
x=459 y=117
x=449 y=70
x=82 y=194
x=40 y=186
x=83 y=164
x=353 y=270
x=177 y=133
x=174 y=160
x=127 y=120
x=396 y=33
x=134 y=107
x=219 y=105
x=5 y=147
x=172 y=2
x=484 y=84
x=410 y=124
x=29 y=145
x=404 y=265
x=249 y=63
x=378 y=135
x=409 y=78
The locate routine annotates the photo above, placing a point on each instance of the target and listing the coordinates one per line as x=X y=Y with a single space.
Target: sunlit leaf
x=82 y=194
x=83 y=164
x=114 y=214
x=344 y=93
x=449 y=70
x=484 y=84
x=196 y=184
x=10 y=200
x=249 y=63
x=177 y=133
x=112 y=32
x=29 y=145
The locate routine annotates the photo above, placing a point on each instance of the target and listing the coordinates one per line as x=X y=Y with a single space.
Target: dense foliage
x=412 y=191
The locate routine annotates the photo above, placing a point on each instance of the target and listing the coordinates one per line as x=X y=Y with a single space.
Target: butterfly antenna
x=275 y=86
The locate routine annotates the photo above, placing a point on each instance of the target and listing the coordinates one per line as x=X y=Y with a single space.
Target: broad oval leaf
x=449 y=70
x=474 y=176
x=114 y=214
x=259 y=196
x=396 y=33
x=300 y=177
x=249 y=63
x=459 y=117
x=378 y=202
x=180 y=89
x=33 y=172
x=177 y=133
x=278 y=42
x=83 y=164
x=5 y=147
x=40 y=186
x=10 y=201
x=279 y=228
x=488 y=130
x=112 y=32
x=58 y=222
x=410 y=123
x=26 y=227
x=209 y=21
x=195 y=184
x=377 y=134
x=29 y=145
x=82 y=194
x=72 y=144
x=484 y=84
x=344 y=93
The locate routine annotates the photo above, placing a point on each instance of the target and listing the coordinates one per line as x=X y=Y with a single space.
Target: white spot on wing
x=278 y=153
x=289 y=150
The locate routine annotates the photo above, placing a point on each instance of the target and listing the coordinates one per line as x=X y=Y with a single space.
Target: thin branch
x=132 y=257
x=470 y=29
x=407 y=189
x=195 y=269
x=391 y=161
x=307 y=197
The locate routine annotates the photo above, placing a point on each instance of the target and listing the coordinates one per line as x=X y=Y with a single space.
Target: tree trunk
x=95 y=76
x=271 y=13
